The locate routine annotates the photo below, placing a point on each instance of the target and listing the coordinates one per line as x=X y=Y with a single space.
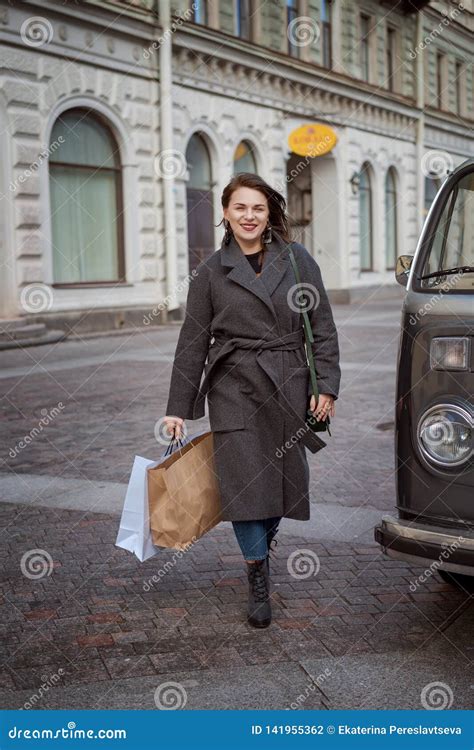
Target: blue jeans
x=254 y=537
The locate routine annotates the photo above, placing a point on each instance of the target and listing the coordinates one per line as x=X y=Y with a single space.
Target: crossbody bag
x=323 y=424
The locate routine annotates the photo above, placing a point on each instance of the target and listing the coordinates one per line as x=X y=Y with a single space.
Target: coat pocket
x=225 y=399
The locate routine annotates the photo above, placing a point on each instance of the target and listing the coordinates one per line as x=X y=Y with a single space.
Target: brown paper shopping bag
x=183 y=494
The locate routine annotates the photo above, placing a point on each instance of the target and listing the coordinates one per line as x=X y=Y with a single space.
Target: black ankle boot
x=259 y=610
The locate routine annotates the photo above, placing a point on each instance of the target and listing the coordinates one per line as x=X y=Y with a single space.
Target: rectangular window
x=326 y=32
x=390 y=60
x=291 y=31
x=242 y=18
x=439 y=80
x=84 y=221
x=200 y=15
x=364 y=46
x=458 y=85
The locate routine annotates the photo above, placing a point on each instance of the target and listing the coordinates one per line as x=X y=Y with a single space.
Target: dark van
x=435 y=387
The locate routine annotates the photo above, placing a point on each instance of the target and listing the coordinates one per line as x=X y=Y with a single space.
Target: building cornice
x=301 y=96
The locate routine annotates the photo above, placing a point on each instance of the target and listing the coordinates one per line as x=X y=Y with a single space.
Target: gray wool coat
x=245 y=333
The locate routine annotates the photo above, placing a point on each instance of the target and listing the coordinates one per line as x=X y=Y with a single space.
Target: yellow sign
x=312 y=140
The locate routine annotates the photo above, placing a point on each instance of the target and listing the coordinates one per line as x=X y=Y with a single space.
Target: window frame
x=204 y=7
x=119 y=203
x=430 y=229
x=292 y=12
x=367 y=170
x=238 y=4
x=391 y=49
x=326 y=35
x=459 y=67
x=441 y=61
x=392 y=176
x=365 y=45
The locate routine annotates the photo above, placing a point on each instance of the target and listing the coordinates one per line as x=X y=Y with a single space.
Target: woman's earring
x=267 y=235
x=228 y=232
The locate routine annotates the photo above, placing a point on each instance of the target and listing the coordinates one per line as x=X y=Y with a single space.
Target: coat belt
x=289 y=341
x=292 y=340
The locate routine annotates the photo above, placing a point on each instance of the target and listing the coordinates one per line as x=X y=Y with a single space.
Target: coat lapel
x=275 y=264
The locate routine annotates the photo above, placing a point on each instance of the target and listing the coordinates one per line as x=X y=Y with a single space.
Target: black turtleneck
x=254 y=260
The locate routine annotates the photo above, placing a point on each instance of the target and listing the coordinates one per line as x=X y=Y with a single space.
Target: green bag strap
x=308 y=331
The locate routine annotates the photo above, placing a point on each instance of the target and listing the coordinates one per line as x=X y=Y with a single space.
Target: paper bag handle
x=169 y=449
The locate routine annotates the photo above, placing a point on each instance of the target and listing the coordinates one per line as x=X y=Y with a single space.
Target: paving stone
x=128 y=666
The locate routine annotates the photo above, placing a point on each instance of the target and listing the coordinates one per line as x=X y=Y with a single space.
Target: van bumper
x=452 y=549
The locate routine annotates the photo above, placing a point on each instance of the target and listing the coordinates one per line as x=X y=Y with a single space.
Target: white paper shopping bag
x=134 y=532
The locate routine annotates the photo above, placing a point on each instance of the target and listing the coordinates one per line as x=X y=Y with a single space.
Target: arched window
x=199 y=198
x=391 y=249
x=86 y=200
x=365 y=220
x=199 y=163
x=244 y=158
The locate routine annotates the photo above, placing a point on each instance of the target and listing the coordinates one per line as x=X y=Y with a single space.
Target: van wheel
x=461 y=581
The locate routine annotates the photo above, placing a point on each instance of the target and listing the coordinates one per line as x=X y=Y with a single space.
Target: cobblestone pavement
x=363 y=631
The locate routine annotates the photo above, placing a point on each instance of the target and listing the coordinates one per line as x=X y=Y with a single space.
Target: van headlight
x=444 y=435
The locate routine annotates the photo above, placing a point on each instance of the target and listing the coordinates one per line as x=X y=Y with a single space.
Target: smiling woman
x=255 y=378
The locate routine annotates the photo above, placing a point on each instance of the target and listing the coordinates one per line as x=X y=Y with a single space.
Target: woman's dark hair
x=276 y=202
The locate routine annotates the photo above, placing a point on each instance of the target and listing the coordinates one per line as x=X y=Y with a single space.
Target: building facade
x=121 y=123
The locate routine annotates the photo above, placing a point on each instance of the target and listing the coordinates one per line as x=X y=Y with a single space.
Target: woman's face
x=247 y=213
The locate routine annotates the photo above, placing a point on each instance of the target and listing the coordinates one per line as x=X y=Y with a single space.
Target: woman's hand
x=325 y=406
x=173 y=426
